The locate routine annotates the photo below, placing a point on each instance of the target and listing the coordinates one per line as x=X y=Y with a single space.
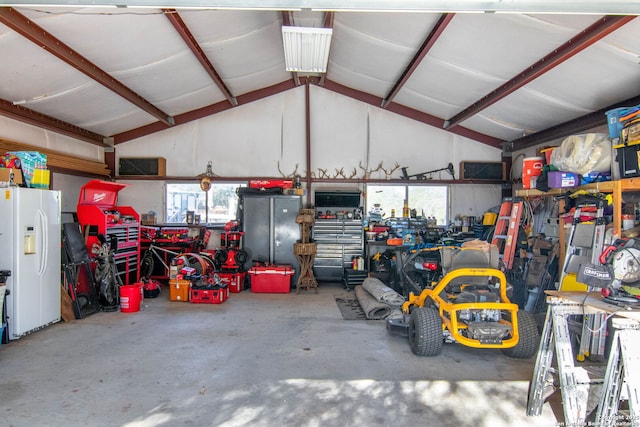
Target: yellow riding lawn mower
x=470 y=306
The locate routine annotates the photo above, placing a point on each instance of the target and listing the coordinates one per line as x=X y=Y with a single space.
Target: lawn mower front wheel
x=425 y=331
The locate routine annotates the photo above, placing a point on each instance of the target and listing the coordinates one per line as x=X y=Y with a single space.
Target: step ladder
x=505 y=236
x=586 y=241
x=585 y=245
x=623 y=375
x=620 y=382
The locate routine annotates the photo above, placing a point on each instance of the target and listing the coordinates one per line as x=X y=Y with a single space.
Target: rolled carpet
x=382 y=292
x=373 y=309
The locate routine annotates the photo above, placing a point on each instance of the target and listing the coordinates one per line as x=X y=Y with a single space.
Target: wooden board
x=58 y=160
x=595 y=300
x=66 y=306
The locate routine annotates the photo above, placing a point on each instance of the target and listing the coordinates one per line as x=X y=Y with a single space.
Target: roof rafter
x=26 y=115
x=412 y=114
x=184 y=31
x=38 y=35
x=328 y=23
x=595 y=32
x=571 y=127
x=289 y=84
x=428 y=43
x=203 y=112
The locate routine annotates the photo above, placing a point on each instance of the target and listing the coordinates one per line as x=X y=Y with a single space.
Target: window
x=427 y=200
x=221 y=200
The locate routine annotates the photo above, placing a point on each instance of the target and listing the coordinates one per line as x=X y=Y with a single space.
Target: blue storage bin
x=613 y=121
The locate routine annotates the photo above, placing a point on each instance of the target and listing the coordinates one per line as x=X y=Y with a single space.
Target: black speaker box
x=147 y=166
x=489 y=171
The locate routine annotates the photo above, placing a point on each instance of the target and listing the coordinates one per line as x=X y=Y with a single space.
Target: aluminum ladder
x=585 y=245
x=576 y=386
x=505 y=236
x=623 y=375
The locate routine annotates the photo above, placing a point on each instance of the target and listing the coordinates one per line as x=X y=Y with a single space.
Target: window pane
x=427 y=200
x=221 y=199
x=223 y=202
x=388 y=196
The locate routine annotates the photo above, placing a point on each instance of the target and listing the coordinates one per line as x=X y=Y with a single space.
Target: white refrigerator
x=30 y=248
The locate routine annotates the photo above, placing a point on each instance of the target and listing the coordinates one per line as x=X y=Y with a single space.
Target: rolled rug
x=373 y=309
x=382 y=292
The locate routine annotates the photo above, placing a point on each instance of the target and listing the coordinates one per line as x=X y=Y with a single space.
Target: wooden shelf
x=615 y=188
x=59 y=161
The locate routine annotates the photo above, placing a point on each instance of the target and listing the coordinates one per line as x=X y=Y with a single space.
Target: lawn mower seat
x=454 y=258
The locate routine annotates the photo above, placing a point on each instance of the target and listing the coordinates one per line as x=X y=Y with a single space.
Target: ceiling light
x=306 y=49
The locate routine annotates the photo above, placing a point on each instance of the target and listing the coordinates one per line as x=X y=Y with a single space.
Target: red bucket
x=131 y=298
x=531 y=170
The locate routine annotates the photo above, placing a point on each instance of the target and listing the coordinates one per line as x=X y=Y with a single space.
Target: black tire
x=529 y=337
x=425 y=331
x=240 y=257
x=147 y=265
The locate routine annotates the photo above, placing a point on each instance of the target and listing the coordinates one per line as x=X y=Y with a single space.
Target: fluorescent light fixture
x=306 y=49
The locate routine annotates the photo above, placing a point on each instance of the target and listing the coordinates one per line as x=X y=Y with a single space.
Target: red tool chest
x=98 y=209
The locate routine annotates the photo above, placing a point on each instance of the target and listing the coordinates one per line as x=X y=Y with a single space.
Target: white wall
x=267 y=138
x=144 y=196
x=27 y=134
x=69 y=186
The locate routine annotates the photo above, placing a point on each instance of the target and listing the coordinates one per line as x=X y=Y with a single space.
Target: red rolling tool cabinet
x=99 y=213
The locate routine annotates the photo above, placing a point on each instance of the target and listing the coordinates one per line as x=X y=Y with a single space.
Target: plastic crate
x=271 y=279
x=208 y=296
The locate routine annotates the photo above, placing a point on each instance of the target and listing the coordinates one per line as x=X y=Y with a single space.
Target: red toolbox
x=208 y=296
x=271 y=278
x=235 y=281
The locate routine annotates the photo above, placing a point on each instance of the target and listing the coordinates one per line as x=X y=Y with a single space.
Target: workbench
x=583 y=385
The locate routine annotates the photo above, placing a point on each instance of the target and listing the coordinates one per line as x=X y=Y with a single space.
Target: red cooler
x=271 y=279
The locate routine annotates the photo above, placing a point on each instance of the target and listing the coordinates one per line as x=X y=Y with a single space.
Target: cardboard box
x=271 y=279
x=5 y=175
x=179 y=290
x=147 y=219
x=631 y=133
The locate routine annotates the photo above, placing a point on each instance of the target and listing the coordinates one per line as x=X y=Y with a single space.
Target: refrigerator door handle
x=44 y=232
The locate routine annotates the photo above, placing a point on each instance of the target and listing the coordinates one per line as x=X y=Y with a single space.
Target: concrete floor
x=255 y=360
